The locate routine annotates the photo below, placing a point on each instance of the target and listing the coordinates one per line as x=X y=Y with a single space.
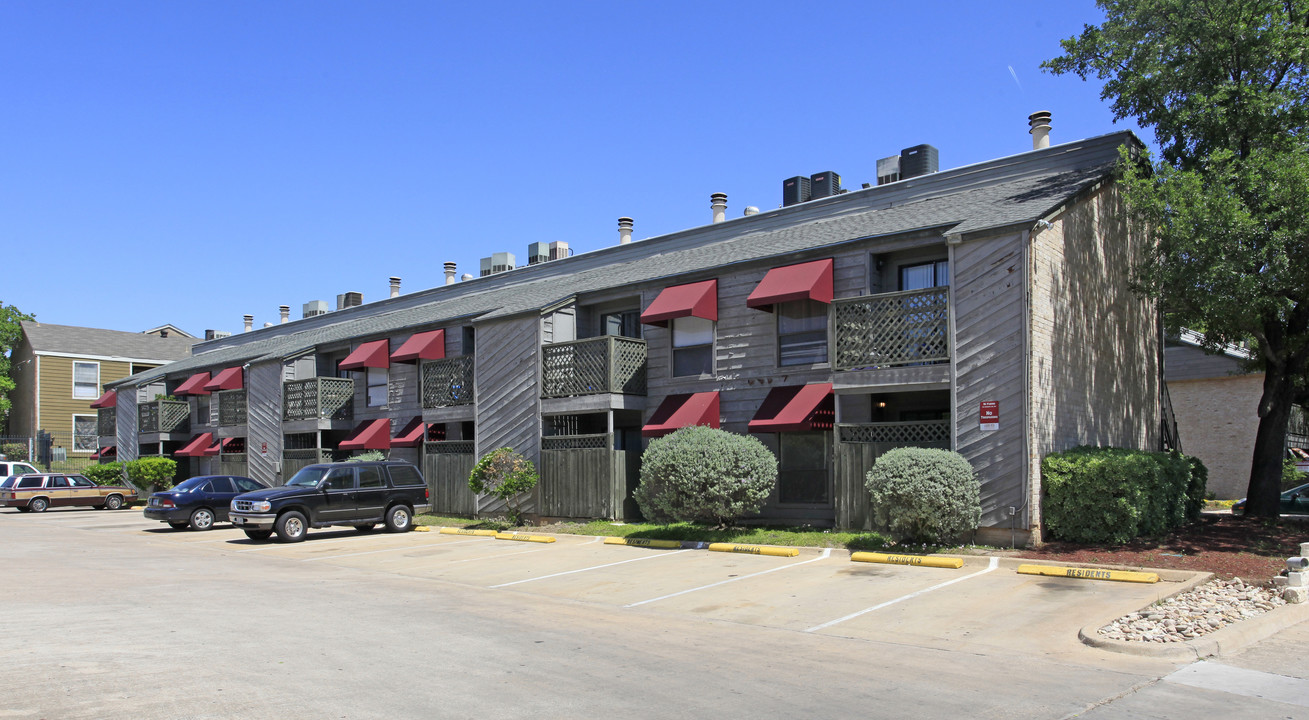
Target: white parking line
x=826 y=553
x=374 y=552
x=588 y=569
x=995 y=562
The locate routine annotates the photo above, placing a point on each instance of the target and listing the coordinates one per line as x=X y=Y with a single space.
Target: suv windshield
x=307 y=477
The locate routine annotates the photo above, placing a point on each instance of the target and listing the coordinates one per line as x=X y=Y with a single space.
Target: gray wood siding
x=1186 y=362
x=264 y=421
x=987 y=296
x=128 y=436
x=508 y=393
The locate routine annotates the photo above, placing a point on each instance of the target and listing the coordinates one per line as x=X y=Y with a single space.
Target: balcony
x=163 y=416
x=607 y=364
x=231 y=407
x=448 y=382
x=892 y=329
x=320 y=398
x=107 y=422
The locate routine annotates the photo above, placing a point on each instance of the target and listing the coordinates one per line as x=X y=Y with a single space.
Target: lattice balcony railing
x=608 y=364
x=107 y=422
x=313 y=455
x=320 y=398
x=231 y=407
x=449 y=447
x=577 y=442
x=912 y=432
x=899 y=328
x=448 y=382
x=163 y=416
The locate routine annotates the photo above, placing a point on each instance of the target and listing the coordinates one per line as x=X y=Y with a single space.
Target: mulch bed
x=1226 y=545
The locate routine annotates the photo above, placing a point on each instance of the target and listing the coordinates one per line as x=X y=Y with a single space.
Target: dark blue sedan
x=200 y=502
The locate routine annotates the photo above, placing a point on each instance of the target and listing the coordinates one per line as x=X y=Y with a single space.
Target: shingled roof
x=111 y=344
x=1008 y=192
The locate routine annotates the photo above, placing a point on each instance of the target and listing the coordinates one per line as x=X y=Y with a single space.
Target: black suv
x=361 y=494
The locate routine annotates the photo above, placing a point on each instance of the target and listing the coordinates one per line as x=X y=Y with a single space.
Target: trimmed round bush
x=705 y=475
x=924 y=494
x=105 y=474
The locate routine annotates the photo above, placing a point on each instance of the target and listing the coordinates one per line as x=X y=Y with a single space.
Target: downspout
x=1034 y=534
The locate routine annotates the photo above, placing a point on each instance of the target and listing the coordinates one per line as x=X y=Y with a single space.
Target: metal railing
x=321 y=398
x=890 y=329
x=448 y=382
x=608 y=364
x=163 y=416
x=231 y=407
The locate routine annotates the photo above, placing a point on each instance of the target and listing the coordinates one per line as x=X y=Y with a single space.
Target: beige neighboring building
x=1216 y=403
x=59 y=372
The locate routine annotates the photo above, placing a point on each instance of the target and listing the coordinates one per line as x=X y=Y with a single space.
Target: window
x=925 y=275
x=221 y=485
x=60 y=482
x=801 y=332
x=86 y=380
x=469 y=340
x=79 y=481
x=621 y=324
x=802 y=467
x=202 y=409
x=370 y=477
x=339 y=479
x=30 y=482
x=377 y=387
x=405 y=475
x=693 y=346
x=86 y=435
x=246 y=485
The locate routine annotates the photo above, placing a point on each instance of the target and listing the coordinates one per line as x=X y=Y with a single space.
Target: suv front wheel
x=291 y=527
x=398 y=519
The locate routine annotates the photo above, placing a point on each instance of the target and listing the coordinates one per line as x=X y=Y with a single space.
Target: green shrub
x=368 y=456
x=924 y=494
x=14 y=451
x=1290 y=476
x=706 y=475
x=151 y=474
x=105 y=474
x=1111 y=495
x=507 y=475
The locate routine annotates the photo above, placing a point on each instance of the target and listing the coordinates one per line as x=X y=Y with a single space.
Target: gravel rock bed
x=1196 y=612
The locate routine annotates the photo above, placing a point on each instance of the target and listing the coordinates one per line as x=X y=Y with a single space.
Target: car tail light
x=165 y=502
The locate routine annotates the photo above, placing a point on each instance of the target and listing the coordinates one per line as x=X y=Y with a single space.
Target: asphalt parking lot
x=107 y=614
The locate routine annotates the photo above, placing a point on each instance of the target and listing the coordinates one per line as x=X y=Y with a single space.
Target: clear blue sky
x=191 y=162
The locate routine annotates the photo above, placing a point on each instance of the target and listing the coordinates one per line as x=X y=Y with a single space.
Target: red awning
x=229 y=379
x=412 y=435
x=806 y=281
x=369 y=435
x=694 y=300
x=109 y=399
x=373 y=354
x=220 y=444
x=105 y=451
x=679 y=411
x=796 y=407
x=194 y=385
x=428 y=345
x=197 y=447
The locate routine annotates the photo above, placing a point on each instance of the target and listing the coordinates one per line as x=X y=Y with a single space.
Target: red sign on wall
x=990 y=415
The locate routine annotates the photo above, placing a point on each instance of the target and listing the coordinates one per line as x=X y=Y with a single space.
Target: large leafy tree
x=1223 y=85
x=10 y=333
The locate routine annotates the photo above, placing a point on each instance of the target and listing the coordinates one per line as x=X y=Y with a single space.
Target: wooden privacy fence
x=293 y=460
x=582 y=476
x=232 y=464
x=859 y=446
x=447 y=465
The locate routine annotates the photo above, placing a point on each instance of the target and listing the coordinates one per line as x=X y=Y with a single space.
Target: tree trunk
x=1263 y=494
